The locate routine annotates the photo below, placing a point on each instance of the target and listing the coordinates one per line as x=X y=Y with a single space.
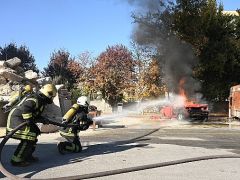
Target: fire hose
x=111 y=172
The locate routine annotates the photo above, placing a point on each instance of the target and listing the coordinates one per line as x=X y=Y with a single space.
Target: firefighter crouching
x=17 y=97
x=76 y=115
x=29 y=109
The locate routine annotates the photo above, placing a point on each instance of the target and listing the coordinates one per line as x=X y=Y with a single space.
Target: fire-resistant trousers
x=24 y=151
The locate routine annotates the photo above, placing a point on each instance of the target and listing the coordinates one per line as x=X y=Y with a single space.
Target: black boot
x=20 y=164
x=61 y=147
x=21 y=152
x=32 y=159
x=32 y=147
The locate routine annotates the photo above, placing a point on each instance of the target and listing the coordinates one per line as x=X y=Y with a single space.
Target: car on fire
x=190 y=111
x=193 y=111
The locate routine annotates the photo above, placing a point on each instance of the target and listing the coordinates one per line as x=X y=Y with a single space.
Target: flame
x=183 y=94
x=181 y=89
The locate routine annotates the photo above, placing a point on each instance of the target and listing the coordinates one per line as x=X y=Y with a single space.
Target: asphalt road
x=109 y=148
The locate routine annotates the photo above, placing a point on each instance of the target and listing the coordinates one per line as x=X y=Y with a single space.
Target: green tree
x=176 y=28
x=27 y=59
x=190 y=22
x=213 y=35
x=219 y=58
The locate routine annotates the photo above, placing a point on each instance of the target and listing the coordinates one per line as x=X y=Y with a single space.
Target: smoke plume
x=177 y=57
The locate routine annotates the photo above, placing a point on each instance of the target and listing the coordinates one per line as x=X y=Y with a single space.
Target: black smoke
x=153 y=23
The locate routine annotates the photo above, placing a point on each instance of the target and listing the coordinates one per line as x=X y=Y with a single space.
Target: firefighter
x=29 y=109
x=17 y=97
x=77 y=115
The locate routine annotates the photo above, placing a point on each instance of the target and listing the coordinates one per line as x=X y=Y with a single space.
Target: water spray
x=174 y=100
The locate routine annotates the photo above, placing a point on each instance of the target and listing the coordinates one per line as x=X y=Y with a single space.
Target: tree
x=86 y=79
x=75 y=69
x=175 y=56
x=214 y=39
x=152 y=81
x=87 y=62
x=189 y=22
x=114 y=73
x=63 y=69
x=148 y=83
x=195 y=40
x=27 y=59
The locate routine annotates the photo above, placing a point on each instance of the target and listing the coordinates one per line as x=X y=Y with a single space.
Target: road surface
x=108 y=148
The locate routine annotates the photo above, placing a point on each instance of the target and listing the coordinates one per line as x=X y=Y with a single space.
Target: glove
x=64 y=123
x=90 y=122
x=84 y=127
x=43 y=120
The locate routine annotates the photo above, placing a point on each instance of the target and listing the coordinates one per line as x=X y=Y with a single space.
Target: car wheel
x=180 y=116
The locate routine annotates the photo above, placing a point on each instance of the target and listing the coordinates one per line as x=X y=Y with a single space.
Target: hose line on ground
x=3 y=142
x=143 y=167
x=106 y=173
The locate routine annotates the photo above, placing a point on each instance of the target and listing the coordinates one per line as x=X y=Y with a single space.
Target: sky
x=45 y=26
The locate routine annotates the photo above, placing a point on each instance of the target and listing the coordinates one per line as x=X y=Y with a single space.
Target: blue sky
x=75 y=25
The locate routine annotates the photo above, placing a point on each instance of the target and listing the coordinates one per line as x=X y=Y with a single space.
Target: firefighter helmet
x=83 y=101
x=49 y=90
x=28 y=88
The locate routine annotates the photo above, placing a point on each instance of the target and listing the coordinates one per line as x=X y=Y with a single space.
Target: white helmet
x=83 y=101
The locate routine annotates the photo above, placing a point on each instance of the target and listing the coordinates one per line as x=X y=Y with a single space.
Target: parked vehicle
x=234 y=102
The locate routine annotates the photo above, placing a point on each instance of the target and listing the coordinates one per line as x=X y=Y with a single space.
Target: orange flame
x=181 y=88
x=182 y=92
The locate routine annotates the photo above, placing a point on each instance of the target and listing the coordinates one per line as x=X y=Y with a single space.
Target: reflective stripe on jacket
x=30 y=108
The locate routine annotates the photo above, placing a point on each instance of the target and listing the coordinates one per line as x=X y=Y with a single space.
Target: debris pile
x=12 y=76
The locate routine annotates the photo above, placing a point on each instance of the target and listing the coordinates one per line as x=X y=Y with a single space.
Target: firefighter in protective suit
x=29 y=109
x=76 y=115
x=17 y=97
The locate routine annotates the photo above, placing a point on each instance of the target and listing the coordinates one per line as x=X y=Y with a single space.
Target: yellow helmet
x=49 y=90
x=28 y=88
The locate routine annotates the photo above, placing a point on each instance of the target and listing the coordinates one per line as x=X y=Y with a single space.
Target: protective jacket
x=30 y=108
x=76 y=115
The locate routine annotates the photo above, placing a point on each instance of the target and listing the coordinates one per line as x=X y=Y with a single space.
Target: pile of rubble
x=12 y=76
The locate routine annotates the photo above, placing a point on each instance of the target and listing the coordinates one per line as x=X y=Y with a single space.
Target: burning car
x=181 y=105
x=193 y=111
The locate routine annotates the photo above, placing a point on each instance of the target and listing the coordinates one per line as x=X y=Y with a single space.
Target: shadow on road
x=50 y=158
